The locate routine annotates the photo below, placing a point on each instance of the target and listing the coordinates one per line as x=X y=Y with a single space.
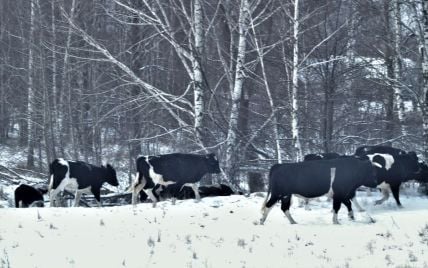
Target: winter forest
x=244 y=83
x=256 y=82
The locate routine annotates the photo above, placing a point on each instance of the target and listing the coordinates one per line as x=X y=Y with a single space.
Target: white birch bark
x=425 y=77
x=231 y=140
x=397 y=61
x=295 y=81
x=30 y=90
x=197 y=71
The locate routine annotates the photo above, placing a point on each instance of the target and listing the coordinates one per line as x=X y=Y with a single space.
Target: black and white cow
x=321 y=156
x=396 y=170
x=398 y=167
x=29 y=196
x=377 y=149
x=178 y=169
x=81 y=176
x=337 y=177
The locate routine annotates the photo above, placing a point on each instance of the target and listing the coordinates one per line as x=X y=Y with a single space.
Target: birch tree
x=31 y=89
x=424 y=55
x=395 y=13
x=231 y=139
x=295 y=135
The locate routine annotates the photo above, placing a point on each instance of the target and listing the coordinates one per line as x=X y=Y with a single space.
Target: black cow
x=329 y=156
x=83 y=177
x=321 y=156
x=216 y=190
x=186 y=192
x=378 y=149
x=396 y=170
x=177 y=168
x=29 y=196
x=162 y=192
x=338 y=177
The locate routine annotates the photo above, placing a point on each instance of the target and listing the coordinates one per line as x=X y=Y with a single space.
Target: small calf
x=29 y=196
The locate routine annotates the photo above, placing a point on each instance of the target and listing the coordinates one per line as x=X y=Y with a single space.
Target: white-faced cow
x=29 y=196
x=178 y=169
x=338 y=177
x=81 y=176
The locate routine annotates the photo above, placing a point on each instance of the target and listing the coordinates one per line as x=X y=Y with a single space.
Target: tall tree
x=425 y=78
x=295 y=134
x=31 y=89
x=232 y=133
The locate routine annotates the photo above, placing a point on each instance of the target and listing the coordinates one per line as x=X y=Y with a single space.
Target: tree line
x=255 y=81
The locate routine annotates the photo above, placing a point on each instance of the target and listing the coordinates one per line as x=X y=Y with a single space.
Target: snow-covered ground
x=216 y=232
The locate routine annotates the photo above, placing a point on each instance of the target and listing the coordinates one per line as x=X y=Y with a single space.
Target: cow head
x=111 y=176
x=411 y=165
x=422 y=174
x=212 y=163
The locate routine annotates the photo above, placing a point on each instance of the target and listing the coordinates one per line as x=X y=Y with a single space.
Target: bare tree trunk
x=395 y=12
x=328 y=114
x=278 y=153
x=389 y=62
x=232 y=134
x=31 y=98
x=295 y=86
x=197 y=72
x=53 y=113
x=425 y=78
x=66 y=91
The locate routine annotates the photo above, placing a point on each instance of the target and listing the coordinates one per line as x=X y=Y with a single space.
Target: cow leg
x=196 y=191
x=395 y=189
x=97 y=195
x=357 y=205
x=267 y=207
x=77 y=198
x=137 y=187
x=348 y=205
x=385 y=193
x=336 y=206
x=53 y=197
x=304 y=202
x=149 y=192
x=176 y=191
x=285 y=207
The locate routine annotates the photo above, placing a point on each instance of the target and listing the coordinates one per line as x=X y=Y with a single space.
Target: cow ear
x=108 y=166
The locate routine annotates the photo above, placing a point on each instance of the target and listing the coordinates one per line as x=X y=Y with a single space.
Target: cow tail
x=51 y=173
x=50 y=183
x=269 y=190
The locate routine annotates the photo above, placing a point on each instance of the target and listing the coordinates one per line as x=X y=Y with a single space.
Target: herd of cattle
x=177 y=175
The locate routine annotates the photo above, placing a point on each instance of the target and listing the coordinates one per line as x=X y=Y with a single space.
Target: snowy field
x=216 y=232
